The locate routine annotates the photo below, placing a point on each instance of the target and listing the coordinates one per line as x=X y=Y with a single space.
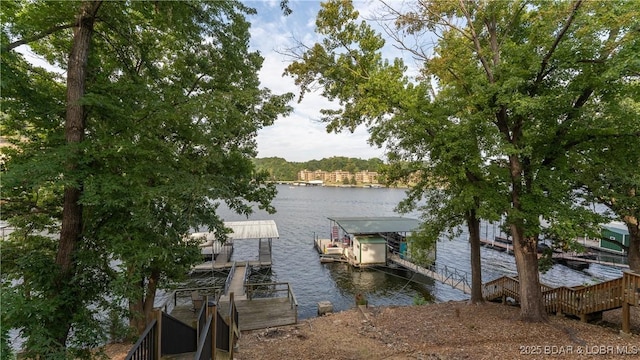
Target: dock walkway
x=449 y=276
x=259 y=305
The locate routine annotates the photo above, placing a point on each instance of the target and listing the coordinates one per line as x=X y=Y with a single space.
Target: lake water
x=302 y=213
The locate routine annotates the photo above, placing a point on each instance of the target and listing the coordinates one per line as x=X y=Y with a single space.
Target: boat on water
x=366 y=241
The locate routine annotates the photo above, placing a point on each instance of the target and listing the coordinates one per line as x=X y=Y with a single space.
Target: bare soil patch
x=452 y=330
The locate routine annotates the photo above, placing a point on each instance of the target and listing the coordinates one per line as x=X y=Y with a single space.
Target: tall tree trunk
x=526 y=254
x=71 y=231
x=473 y=223
x=633 y=225
x=525 y=250
x=141 y=307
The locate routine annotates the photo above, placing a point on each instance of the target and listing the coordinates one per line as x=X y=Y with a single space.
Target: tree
x=536 y=74
x=160 y=128
x=610 y=176
x=348 y=65
x=518 y=85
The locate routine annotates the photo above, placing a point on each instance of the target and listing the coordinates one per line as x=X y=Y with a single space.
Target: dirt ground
x=452 y=330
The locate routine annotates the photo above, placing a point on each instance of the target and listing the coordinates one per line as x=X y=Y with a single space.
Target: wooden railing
x=260 y=290
x=501 y=288
x=579 y=301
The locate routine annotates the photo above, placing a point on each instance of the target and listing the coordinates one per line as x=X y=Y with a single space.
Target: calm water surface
x=302 y=213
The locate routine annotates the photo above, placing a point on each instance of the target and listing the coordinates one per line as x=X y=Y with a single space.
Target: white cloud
x=300 y=136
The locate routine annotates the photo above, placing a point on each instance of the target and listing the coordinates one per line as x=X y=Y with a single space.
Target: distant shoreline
x=304 y=184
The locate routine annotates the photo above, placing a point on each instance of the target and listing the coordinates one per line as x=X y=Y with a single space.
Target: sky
x=299 y=136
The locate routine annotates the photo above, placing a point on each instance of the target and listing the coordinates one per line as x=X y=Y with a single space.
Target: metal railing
x=449 y=275
x=227 y=282
x=146 y=348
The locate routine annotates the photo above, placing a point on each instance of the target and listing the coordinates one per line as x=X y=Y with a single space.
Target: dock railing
x=455 y=277
x=270 y=290
x=227 y=282
x=448 y=275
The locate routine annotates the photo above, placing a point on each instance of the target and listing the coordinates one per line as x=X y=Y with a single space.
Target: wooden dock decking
x=263 y=313
x=236 y=284
x=252 y=314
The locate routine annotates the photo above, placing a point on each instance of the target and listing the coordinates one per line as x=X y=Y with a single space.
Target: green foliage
x=280 y=169
x=173 y=105
x=514 y=97
x=419 y=300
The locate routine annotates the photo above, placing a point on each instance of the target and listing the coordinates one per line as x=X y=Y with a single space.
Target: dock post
x=626 y=317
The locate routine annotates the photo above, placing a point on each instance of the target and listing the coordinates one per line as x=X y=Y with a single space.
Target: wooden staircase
x=585 y=302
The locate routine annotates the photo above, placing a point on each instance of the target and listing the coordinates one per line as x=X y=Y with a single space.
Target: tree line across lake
x=283 y=170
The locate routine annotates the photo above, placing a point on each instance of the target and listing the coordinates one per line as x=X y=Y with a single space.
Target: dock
x=219 y=257
x=582 y=259
x=574 y=260
x=259 y=305
x=455 y=278
x=500 y=244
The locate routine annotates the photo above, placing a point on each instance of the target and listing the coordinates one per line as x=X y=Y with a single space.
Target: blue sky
x=299 y=136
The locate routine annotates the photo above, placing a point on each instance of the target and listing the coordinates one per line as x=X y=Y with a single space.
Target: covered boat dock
x=219 y=253
x=364 y=241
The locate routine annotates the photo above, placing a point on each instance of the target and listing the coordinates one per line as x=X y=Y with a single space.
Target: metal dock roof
x=252 y=229
x=374 y=225
x=243 y=230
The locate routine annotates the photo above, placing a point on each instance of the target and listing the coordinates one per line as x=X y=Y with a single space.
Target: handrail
x=250 y=288
x=227 y=282
x=246 y=272
x=165 y=306
x=144 y=347
x=578 y=301
x=450 y=275
x=250 y=291
x=204 y=339
x=292 y=297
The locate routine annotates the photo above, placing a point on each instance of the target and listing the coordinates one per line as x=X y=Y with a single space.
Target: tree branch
x=565 y=28
x=39 y=36
x=476 y=43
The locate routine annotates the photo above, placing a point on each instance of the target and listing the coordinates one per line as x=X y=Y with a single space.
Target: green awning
x=374 y=225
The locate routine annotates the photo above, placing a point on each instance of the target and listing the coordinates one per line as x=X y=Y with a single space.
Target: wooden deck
x=252 y=314
x=584 y=302
x=264 y=251
x=236 y=284
x=263 y=313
